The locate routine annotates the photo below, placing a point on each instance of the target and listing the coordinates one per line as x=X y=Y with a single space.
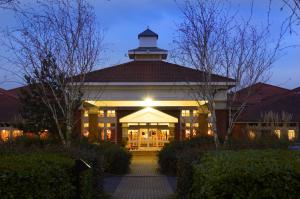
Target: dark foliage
x=248 y=174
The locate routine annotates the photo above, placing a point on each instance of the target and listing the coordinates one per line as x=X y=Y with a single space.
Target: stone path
x=143 y=182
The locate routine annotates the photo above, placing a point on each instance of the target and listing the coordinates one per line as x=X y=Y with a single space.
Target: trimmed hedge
x=169 y=155
x=248 y=174
x=40 y=175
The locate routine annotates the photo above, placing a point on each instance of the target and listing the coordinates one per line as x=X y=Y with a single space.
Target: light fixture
x=148 y=102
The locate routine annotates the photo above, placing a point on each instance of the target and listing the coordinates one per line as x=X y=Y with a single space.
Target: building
x=269 y=110
x=147 y=102
x=9 y=109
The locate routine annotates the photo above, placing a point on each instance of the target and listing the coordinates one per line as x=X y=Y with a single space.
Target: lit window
x=187 y=124
x=196 y=125
x=210 y=132
x=185 y=113
x=195 y=113
x=101 y=125
x=194 y=132
x=111 y=113
x=100 y=113
x=4 y=135
x=108 y=134
x=86 y=114
x=251 y=134
x=86 y=133
x=291 y=134
x=108 y=125
x=86 y=125
x=187 y=133
x=277 y=133
x=16 y=133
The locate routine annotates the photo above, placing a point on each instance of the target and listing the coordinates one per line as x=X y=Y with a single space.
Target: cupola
x=148 y=49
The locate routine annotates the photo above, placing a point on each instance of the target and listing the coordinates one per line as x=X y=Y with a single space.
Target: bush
x=116 y=158
x=168 y=156
x=248 y=174
x=263 y=142
x=40 y=175
x=186 y=161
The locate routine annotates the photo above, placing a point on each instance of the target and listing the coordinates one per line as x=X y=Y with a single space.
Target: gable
x=148 y=115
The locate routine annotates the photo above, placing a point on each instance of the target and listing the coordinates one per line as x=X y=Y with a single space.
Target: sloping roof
x=148 y=49
x=288 y=102
x=258 y=92
x=148 y=33
x=9 y=106
x=150 y=71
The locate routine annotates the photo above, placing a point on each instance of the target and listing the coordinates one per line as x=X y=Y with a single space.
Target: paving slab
x=144 y=181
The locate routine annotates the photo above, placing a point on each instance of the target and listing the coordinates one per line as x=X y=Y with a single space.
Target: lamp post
x=80 y=166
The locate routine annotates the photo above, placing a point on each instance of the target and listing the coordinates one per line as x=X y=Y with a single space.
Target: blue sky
x=122 y=20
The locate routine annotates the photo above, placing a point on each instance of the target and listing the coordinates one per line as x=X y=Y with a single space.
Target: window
x=195 y=113
x=111 y=113
x=196 y=125
x=86 y=113
x=291 y=135
x=277 y=133
x=187 y=124
x=101 y=125
x=17 y=133
x=101 y=113
x=4 y=135
x=185 y=113
x=251 y=134
x=187 y=133
x=86 y=125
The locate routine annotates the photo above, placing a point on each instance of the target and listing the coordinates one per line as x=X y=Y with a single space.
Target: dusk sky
x=122 y=20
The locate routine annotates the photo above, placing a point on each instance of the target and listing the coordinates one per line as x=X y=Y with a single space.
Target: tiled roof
x=258 y=92
x=148 y=33
x=150 y=49
x=9 y=106
x=150 y=71
x=288 y=102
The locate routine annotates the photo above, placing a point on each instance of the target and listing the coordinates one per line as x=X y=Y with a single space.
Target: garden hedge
x=40 y=175
x=170 y=153
x=248 y=174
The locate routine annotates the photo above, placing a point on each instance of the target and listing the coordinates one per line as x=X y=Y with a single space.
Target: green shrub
x=263 y=142
x=248 y=174
x=116 y=158
x=40 y=175
x=186 y=161
x=168 y=156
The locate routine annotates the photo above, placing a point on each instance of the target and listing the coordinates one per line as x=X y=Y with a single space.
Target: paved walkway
x=143 y=182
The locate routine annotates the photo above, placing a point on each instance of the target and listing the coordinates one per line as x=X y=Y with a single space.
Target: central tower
x=148 y=50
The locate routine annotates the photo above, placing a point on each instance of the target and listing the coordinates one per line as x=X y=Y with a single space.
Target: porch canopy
x=148 y=115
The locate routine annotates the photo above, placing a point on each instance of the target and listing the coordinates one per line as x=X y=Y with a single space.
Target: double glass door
x=147 y=138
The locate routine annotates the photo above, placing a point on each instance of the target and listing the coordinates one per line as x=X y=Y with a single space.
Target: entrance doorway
x=148 y=129
x=148 y=138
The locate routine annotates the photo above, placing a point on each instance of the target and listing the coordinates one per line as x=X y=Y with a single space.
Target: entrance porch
x=148 y=129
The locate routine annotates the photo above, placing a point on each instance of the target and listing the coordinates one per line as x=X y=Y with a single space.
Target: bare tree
x=55 y=46
x=214 y=41
x=294 y=12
